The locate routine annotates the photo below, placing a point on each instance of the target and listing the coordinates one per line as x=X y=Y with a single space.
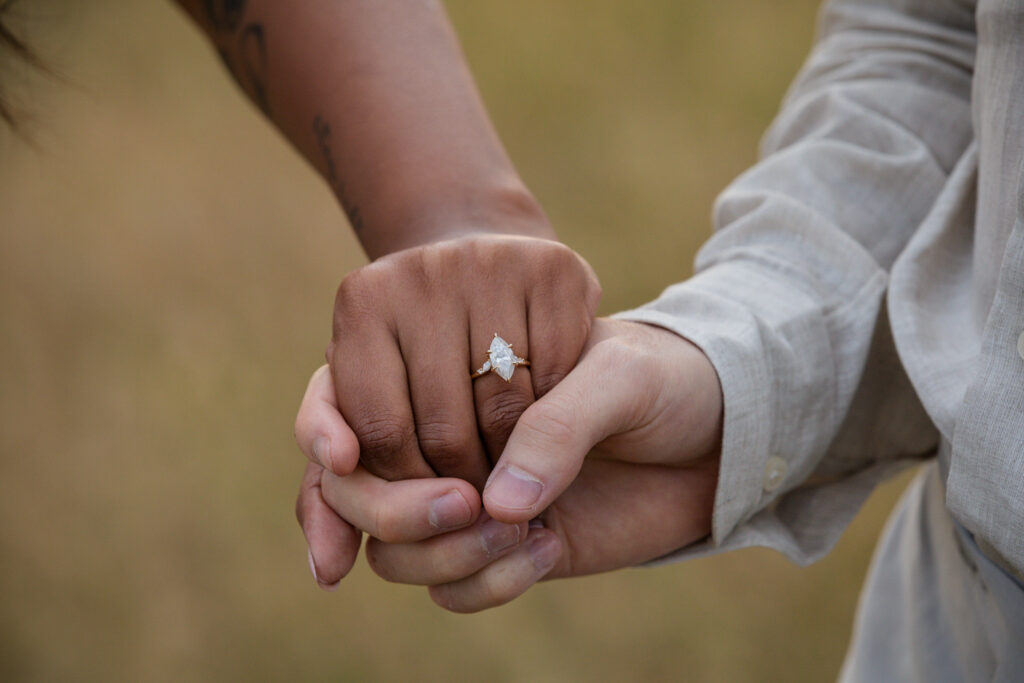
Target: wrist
x=499 y=208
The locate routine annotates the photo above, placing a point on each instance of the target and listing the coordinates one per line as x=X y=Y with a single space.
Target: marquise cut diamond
x=503 y=361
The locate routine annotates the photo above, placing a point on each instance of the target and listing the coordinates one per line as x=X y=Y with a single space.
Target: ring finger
x=499 y=403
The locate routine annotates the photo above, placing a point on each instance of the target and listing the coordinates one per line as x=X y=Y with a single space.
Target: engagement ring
x=501 y=360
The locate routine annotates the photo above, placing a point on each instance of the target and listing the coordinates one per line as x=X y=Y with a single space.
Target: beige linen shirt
x=862 y=298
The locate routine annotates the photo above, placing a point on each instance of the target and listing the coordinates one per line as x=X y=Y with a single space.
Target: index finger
x=372 y=389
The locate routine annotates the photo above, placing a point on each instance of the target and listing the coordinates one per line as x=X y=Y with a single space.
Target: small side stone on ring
x=501 y=360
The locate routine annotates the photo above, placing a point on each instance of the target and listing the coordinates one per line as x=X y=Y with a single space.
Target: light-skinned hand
x=644 y=403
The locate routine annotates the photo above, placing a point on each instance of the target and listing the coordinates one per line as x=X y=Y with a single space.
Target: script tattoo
x=227 y=17
x=322 y=132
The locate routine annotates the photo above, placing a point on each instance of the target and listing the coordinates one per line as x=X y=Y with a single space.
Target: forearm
x=377 y=96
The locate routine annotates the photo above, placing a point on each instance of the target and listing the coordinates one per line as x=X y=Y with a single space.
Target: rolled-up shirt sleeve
x=788 y=297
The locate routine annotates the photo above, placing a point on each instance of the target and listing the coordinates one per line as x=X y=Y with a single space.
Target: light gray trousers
x=934 y=608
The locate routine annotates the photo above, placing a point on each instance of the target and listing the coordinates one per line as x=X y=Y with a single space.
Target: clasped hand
x=603 y=453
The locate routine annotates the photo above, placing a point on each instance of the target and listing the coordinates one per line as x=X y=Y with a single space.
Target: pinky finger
x=333 y=542
x=503 y=580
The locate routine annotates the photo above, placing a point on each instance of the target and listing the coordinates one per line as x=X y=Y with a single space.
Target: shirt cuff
x=705 y=311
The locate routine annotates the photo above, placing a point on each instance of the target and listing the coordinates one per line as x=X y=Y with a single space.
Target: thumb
x=552 y=437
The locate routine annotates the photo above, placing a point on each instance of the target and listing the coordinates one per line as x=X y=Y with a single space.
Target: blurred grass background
x=167 y=269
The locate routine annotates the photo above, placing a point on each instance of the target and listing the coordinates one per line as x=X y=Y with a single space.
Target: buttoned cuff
x=770 y=344
x=724 y=334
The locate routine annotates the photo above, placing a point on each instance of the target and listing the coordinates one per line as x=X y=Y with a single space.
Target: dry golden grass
x=167 y=268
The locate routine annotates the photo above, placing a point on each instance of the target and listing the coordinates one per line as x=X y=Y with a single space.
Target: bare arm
x=377 y=96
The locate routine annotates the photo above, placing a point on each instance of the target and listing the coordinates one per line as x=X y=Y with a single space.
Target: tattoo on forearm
x=322 y=132
x=227 y=17
x=253 y=51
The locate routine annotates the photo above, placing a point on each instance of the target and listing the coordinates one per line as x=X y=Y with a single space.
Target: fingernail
x=513 y=489
x=544 y=551
x=537 y=523
x=450 y=511
x=498 y=537
x=322 y=451
x=329 y=587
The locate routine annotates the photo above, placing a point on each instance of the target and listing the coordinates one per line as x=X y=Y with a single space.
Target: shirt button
x=1020 y=344
x=774 y=472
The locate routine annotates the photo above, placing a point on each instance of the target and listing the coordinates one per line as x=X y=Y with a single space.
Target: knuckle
x=445 y=445
x=496 y=589
x=384 y=442
x=349 y=301
x=414 y=268
x=560 y=261
x=500 y=412
x=446 y=567
x=358 y=296
x=382 y=435
x=558 y=270
x=387 y=525
x=560 y=254
x=433 y=266
x=546 y=380
x=555 y=424
x=486 y=253
x=352 y=288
